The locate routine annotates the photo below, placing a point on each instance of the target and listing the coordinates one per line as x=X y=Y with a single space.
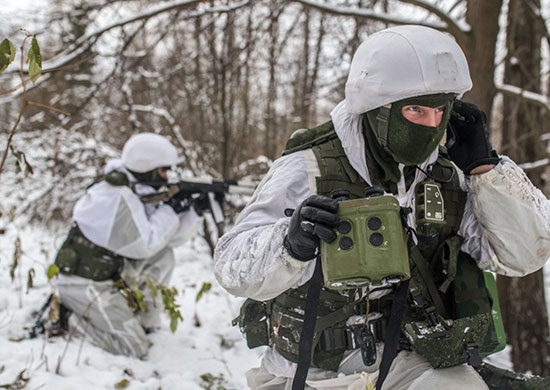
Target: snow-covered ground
x=206 y=352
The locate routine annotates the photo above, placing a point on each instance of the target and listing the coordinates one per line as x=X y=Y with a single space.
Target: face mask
x=407 y=142
x=152 y=178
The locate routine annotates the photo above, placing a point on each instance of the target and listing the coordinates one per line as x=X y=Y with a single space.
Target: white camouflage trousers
x=409 y=371
x=101 y=313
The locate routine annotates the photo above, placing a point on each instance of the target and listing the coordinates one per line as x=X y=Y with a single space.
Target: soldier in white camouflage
x=117 y=244
x=402 y=95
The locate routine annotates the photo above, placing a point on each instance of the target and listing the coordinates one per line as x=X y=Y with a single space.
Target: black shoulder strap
x=305 y=348
x=393 y=332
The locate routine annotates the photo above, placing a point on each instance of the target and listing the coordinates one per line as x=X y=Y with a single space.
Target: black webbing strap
x=393 y=332
x=308 y=329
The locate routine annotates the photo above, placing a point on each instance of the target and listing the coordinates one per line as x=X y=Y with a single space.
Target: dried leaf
x=19 y=383
x=30 y=279
x=122 y=384
x=16 y=258
x=20 y=161
x=55 y=310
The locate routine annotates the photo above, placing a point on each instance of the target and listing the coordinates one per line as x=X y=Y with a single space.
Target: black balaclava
x=151 y=178
x=406 y=142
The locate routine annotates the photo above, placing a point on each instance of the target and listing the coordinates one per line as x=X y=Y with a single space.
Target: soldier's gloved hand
x=314 y=219
x=178 y=205
x=468 y=138
x=201 y=203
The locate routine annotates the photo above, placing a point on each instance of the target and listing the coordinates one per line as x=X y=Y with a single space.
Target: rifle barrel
x=191 y=186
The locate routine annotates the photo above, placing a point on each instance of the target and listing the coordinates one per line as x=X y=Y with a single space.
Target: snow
x=204 y=344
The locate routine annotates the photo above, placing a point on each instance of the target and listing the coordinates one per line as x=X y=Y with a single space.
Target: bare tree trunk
x=522 y=299
x=312 y=82
x=198 y=74
x=482 y=16
x=226 y=61
x=245 y=147
x=304 y=73
x=270 y=111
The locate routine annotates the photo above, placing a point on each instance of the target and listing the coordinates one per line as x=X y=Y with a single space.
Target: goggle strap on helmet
x=383 y=119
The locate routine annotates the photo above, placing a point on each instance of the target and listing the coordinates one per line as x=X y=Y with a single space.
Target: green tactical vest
x=81 y=257
x=446 y=284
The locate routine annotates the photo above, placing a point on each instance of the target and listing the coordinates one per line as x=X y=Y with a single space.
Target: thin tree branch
x=23 y=106
x=456 y=4
x=536 y=12
x=48 y=107
x=151 y=13
x=381 y=17
x=532 y=97
x=87 y=41
x=459 y=31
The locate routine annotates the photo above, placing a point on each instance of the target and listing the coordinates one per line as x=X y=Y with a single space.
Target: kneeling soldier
x=117 y=244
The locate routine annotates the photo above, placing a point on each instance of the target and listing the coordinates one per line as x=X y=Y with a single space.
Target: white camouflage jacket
x=506 y=223
x=114 y=217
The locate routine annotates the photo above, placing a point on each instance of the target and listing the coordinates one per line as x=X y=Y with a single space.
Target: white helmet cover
x=146 y=151
x=402 y=62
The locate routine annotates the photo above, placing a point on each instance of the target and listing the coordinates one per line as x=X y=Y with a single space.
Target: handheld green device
x=371 y=245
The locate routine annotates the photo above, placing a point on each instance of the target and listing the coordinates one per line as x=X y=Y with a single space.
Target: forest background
x=228 y=81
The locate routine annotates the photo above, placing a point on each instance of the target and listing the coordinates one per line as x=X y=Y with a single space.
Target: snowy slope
x=214 y=350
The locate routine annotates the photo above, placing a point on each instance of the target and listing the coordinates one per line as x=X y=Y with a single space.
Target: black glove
x=177 y=204
x=201 y=203
x=468 y=138
x=314 y=219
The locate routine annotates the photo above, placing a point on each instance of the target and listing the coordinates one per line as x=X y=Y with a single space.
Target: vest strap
x=393 y=332
x=424 y=270
x=448 y=254
x=305 y=347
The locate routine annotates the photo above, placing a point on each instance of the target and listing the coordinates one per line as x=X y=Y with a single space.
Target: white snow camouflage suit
x=251 y=260
x=113 y=217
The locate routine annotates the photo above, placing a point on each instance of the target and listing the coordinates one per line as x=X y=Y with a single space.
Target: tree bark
x=479 y=47
x=522 y=299
x=270 y=118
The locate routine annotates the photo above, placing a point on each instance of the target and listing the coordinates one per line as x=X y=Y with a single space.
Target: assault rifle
x=203 y=194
